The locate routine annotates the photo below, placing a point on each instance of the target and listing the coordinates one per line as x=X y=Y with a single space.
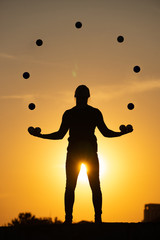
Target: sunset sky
x=32 y=170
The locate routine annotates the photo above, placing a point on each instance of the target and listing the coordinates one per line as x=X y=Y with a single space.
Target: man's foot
x=98 y=219
x=68 y=220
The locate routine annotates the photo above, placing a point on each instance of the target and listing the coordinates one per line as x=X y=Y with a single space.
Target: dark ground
x=118 y=231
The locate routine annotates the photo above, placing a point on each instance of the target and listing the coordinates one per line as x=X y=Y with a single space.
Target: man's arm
x=59 y=134
x=106 y=132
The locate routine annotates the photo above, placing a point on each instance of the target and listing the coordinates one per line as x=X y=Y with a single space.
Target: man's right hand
x=129 y=128
x=126 y=129
x=34 y=131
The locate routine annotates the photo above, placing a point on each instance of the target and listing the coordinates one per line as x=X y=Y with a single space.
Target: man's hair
x=82 y=91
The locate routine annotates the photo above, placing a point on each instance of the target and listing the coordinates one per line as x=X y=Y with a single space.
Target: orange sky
x=32 y=170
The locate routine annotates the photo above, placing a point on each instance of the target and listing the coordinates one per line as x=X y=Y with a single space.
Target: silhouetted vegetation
x=29 y=219
x=156 y=220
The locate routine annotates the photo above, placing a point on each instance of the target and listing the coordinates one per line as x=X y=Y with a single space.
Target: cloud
x=101 y=92
x=14 y=97
x=27 y=97
x=7 y=56
x=145 y=85
x=108 y=92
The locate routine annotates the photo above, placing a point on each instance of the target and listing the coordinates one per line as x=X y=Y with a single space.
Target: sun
x=82 y=177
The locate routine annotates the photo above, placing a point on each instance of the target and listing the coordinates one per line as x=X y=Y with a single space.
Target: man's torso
x=82 y=123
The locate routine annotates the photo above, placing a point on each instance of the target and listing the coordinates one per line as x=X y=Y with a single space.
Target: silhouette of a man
x=81 y=122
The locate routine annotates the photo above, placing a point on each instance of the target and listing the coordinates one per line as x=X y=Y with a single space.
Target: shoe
x=98 y=219
x=68 y=220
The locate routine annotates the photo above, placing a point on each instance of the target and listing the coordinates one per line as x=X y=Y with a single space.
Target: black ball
x=37 y=130
x=78 y=24
x=136 y=69
x=31 y=130
x=31 y=106
x=26 y=75
x=120 y=39
x=122 y=128
x=129 y=128
x=39 y=42
x=130 y=106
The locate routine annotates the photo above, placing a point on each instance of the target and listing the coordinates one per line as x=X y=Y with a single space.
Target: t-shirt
x=82 y=123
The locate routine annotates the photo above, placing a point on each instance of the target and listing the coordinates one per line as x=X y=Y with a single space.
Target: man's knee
x=70 y=188
x=95 y=187
x=94 y=183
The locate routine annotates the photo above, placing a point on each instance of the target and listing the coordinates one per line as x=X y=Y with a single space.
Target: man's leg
x=72 y=171
x=93 y=176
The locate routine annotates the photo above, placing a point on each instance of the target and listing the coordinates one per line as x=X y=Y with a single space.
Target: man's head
x=82 y=91
x=82 y=94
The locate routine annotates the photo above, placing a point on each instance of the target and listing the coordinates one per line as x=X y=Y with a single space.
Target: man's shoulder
x=69 y=111
x=93 y=109
x=88 y=108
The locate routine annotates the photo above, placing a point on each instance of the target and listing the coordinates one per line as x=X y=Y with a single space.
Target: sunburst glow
x=83 y=174
x=82 y=177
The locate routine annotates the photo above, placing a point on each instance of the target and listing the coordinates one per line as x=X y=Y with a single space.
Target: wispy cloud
x=143 y=86
x=14 y=97
x=7 y=56
x=102 y=92
x=108 y=92
x=26 y=97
